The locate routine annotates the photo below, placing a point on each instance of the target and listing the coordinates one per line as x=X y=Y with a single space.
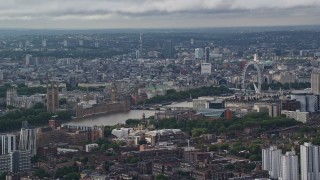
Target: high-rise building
x=28 y=140
x=138 y=54
x=289 y=166
x=168 y=51
x=206 y=68
x=15 y=161
x=207 y=54
x=27 y=43
x=192 y=41
x=65 y=43
x=80 y=42
x=141 y=46
x=44 y=43
x=198 y=53
x=1 y=75
x=8 y=143
x=315 y=81
x=28 y=59
x=255 y=57
x=52 y=97
x=11 y=93
x=271 y=161
x=310 y=159
x=96 y=44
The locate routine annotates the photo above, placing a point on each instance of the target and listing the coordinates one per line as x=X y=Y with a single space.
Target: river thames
x=121 y=117
x=112 y=119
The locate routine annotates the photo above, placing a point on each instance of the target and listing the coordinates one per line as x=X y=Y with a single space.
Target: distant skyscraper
x=310 y=159
x=1 y=75
x=28 y=140
x=168 y=51
x=44 y=43
x=192 y=41
x=271 y=161
x=8 y=143
x=256 y=57
x=141 y=46
x=315 y=81
x=289 y=169
x=65 y=43
x=80 y=42
x=52 y=97
x=27 y=43
x=138 y=54
x=198 y=53
x=28 y=59
x=207 y=54
x=96 y=44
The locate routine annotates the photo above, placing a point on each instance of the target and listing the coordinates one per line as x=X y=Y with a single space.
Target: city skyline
x=156 y=14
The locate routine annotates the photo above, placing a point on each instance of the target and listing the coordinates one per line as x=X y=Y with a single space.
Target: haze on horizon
x=91 y=14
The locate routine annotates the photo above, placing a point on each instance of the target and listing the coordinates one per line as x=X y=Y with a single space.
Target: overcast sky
x=87 y=14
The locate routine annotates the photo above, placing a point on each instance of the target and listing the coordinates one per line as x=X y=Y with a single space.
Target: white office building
x=44 y=43
x=28 y=59
x=271 y=161
x=315 y=81
x=297 y=115
x=8 y=143
x=206 y=68
x=28 y=140
x=65 y=43
x=289 y=166
x=1 y=75
x=309 y=158
x=198 y=53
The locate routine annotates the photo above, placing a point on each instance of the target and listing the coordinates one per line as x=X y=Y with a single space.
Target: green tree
x=224 y=146
x=132 y=122
x=196 y=132
x=106 y=165
x=213 y=147
x=41 y=173
x=72 y=176
x=62 y=101
x=161 y=177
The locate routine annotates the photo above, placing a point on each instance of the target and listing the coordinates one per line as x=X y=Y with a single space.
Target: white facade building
x=271 y=161
x=122 y=132
x=289 y=166
x=315 y=81
x=65 y=43
x=44 y=43
x=198 y=53
x=1 y=75
x=308 y=101
x=90 y=147
x=206 y=68
x=8 y=143
x=28 y=140
x=297 y=115
x=309 y=158
x=200 y=103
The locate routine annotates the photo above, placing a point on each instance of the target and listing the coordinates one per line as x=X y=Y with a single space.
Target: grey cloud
x=112 y=10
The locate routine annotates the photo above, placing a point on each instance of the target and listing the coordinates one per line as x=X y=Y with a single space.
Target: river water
x=112 y=119
x=121 y=117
